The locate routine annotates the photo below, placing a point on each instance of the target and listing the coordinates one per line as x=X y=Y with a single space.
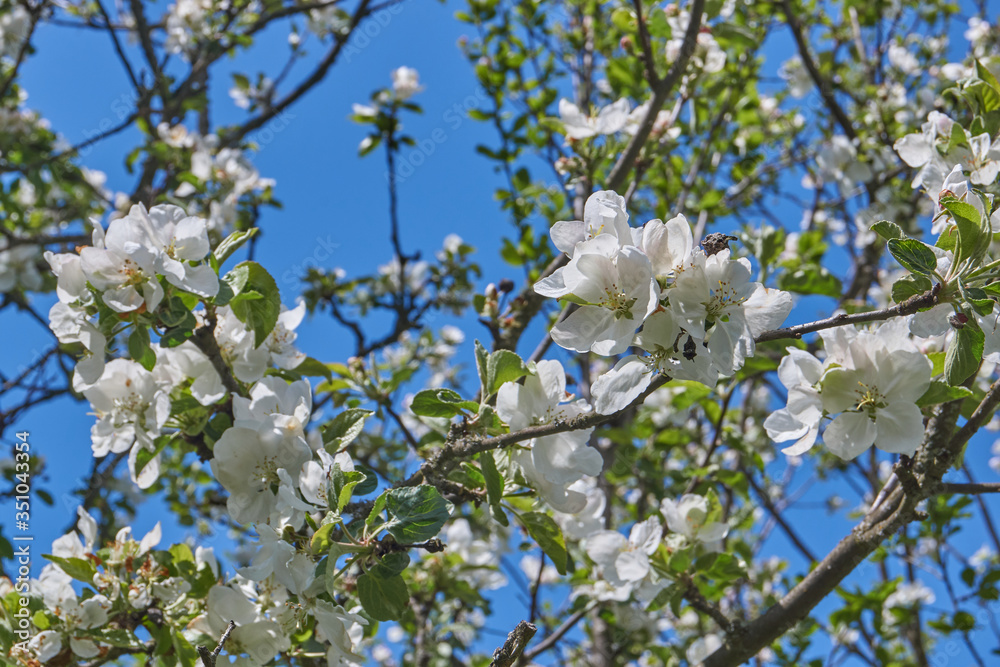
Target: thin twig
x=208 y=658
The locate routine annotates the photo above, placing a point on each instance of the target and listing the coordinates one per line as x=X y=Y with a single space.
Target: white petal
x=850 y=434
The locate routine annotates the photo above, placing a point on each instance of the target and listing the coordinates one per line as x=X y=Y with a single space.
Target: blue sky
x=335 y=211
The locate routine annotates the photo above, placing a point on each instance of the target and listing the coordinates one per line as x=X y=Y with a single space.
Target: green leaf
x=441 y=403
x=913 y=255
x=232 y=243
x=344 y=428
x=184 y=652
x=375 y=514
x=940 y=392
x=78 y=568
x=680 y=560
x=937 y=358
x=965 y=352
x=503 y=366
x=340 y=486
x=390 y=565
x=964 y=621
x=384 y=599
x=416 y=513
x=139 y=349
x=482 y=363
x=257 y=302
x=313 y=368
x=120 y=637
x=368 y=484
x=494 y=480
x=320 y=542
x=810 y=279
x=888 y=230
x=545 y=531
x=969 y=223
x=666 y=595
x=910 y=285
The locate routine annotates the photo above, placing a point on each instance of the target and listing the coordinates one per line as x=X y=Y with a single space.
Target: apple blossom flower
x=624 y=562
x=70 y=544
x=72 y=325
x=800 y=373
x=983 y=159
x=481 y=559
x=18 y=266
x=603 y=213
x=616 y=288
x=794 y=72
x=131 y=410
x=54 y=587
x=714 y=300
x=906 y=595
x=875 y=392
x=122 y=265
x=292 y=569
x=609 y=120
x=687 y=517
x=920 y=150
x=247 y=459
x=405 y=83
x=340 y=629
x=702 y=647
x=176 y=365
x=562 y=458
x=668 y=245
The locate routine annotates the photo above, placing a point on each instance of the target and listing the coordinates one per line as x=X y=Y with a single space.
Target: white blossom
x=609 y=120
x=687 y=517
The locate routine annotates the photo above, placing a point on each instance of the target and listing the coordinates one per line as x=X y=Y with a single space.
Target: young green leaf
x=545 y=531
x=888 y=230
x=441 y=403
x=913 y=255
x=964 y=354
x=416 y=513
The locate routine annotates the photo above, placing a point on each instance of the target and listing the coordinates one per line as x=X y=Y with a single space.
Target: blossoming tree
x=743 y=285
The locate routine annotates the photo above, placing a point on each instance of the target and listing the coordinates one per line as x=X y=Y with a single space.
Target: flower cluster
x=693 y=314
x=553 y=463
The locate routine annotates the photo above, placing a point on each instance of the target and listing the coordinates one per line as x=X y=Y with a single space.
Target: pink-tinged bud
x=627 y=44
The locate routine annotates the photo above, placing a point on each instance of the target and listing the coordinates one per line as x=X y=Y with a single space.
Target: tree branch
x=507 y=655
x=208 y=658
x=619 y=173
x=908 y=307
x=971 y=489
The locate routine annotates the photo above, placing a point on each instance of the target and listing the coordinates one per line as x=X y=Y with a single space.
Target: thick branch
x=204 y=339
x=554 y=638
x=972 y=489
x=825 y=89
x=938 y=452
x=507 y=655
x=232 y=137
